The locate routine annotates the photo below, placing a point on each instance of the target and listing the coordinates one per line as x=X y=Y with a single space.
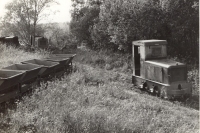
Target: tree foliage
x=58 y=34
x=116 y=23
x=84 y=15
x=22 y=18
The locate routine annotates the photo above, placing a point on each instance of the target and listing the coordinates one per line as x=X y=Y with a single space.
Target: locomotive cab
x=152 y=71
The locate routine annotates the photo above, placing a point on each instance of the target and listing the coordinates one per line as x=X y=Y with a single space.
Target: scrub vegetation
x=113 y=24
x=94 y=98
x=98 y=96
x=10 y=55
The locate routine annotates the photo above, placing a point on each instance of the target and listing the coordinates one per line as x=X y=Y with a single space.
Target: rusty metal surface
x=155 y=69
x=41 y=42
x=61 y=60
x=136 y=60
x=178 y=74
x=70 y=56
x=17 y=79
x=167 y=90
x=31 y=71
x=149 y=61
x=155 y=52
x=9 y=78
x=7 y=96
x=165 y=75
x=151 y=49
x=65 y=55
x=47 y=68
x=185 y=88
x=10 y=40
x=165 y=63
x=153 y=72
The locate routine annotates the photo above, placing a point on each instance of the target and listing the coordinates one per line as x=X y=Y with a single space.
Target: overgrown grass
x=96 y=99
x=75 y=105
x=10 y=55
x=107 y=60
x=122 y=63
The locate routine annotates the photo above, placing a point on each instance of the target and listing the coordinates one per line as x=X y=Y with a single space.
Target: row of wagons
x=16 y=79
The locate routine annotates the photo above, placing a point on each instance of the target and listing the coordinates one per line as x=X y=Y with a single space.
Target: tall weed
x=10 y=55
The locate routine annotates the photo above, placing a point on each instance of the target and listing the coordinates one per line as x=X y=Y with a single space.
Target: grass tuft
x=10 y=55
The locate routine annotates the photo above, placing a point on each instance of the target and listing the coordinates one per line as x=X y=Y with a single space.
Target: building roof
x=165 y=63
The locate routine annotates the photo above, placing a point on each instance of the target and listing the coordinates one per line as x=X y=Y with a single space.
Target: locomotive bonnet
x=155 y=73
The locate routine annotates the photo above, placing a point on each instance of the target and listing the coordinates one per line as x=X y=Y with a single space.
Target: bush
x=193 y=77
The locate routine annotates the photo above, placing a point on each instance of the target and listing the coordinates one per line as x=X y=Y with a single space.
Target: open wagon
x=64 y=55
x=10 y=84
x=63 y=62
x=70 y=56
x=48 y=67
x=31 y=71
x=30 y=76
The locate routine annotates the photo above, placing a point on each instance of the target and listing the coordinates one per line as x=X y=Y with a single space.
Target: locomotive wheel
x=144 y=88
x=156 y=91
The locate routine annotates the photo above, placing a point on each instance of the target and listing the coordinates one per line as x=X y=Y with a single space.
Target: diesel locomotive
x=155 y=73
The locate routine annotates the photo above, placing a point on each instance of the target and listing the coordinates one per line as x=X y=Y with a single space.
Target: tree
x=58 y=34
x=113 y=24
x=122 y=21
x=23 y=16
x=84 y=14
x=119 y=23
x=183 y=19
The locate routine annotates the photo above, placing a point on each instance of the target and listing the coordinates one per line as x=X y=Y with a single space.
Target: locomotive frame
x=155 y=73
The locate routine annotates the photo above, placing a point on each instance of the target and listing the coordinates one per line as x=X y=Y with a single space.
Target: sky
x=58 y=12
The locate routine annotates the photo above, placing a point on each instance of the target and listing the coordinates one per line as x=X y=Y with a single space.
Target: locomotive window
x=156 y=51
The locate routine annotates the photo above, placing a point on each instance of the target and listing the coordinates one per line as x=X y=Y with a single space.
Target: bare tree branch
x=23 y=17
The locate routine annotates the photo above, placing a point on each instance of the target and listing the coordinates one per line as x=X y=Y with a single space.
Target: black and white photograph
x=99 y=66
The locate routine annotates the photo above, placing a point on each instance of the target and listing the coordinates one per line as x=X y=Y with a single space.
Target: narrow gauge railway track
x=17 y=79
